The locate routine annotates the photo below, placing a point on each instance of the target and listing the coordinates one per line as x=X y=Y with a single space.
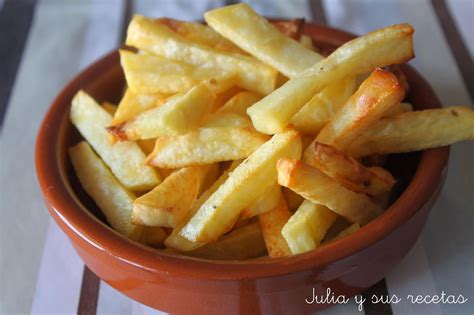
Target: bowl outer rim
x=70 y=214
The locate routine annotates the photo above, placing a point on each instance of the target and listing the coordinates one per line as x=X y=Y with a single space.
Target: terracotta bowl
x=180 y=284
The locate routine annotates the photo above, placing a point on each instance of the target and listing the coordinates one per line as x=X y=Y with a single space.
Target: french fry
x=291 y=28
x=242 y=243
x=307 y=42
x=133 y=104
x=306 y=141
x=293 y=200
x=266 y=202
x=239 y=103
x=413 y=131
x=150 y=74
x=254 y=34
x=165 y=172
x=323 y=106
x=224 y=84
x=225 y=95
x=377 y=49
x=211 y=173
x=307 y=227
x=401 y=77
x=109 y=108
x=205 y=146
x=170 y=201
x=380 y=91
x=153 y=236
x=114 y=200
x=248 y=181
x=198 y=99
x=319 y=188
x=397 y=109
x=199 y=33
x=272 y=222
x=175 y=240
x=125 y=159
x=348 y=172
x=227 y=120
x=146 y=145
x=249 y=73
x=346 y=232
x=177 y=116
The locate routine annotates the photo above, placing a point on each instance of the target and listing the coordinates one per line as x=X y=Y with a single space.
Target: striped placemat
x=43 y=44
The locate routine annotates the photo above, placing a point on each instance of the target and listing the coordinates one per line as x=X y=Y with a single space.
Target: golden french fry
x=153 y=37
x=380 y=91
x=109 y=108
x=239 y=103
x=272 y=222
x=248 y=181
x=314 y=185
x=291 y=28
x=146 y=145
x=199 y=33
x=348 y=172
x=401 y=77
x=205 y=146
x=225 y=95
x=306 y=141
x=133 y=104
x=397 y=109
x=114 y=200
x=242 y=243
x=307 y=42
x=227 y=120
x=175 y=240
x=254 y=34
x=169 y=202
x=414 y=131
x=266 y=202
x=212 y=173
x=323 y=106
x=293 y=200
x=306 y=228
x=177 y=116
x=165 y=172
x=153 y=236
x=377 y=49
x=149 y=74
x=125 y=159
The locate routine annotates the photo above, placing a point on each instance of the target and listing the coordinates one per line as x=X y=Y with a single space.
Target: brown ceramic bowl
x=180 y=284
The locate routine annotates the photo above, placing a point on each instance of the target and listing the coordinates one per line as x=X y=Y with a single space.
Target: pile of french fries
x=238 y=139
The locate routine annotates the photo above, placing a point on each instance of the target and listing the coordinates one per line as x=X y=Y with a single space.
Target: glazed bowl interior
x=418 y=175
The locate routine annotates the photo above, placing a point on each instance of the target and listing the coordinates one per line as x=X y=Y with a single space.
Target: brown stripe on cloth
x=317 y=12
x=89 y=293
x=127 y=16
x=15 y=21
x=380 y=291
x=456 y=44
